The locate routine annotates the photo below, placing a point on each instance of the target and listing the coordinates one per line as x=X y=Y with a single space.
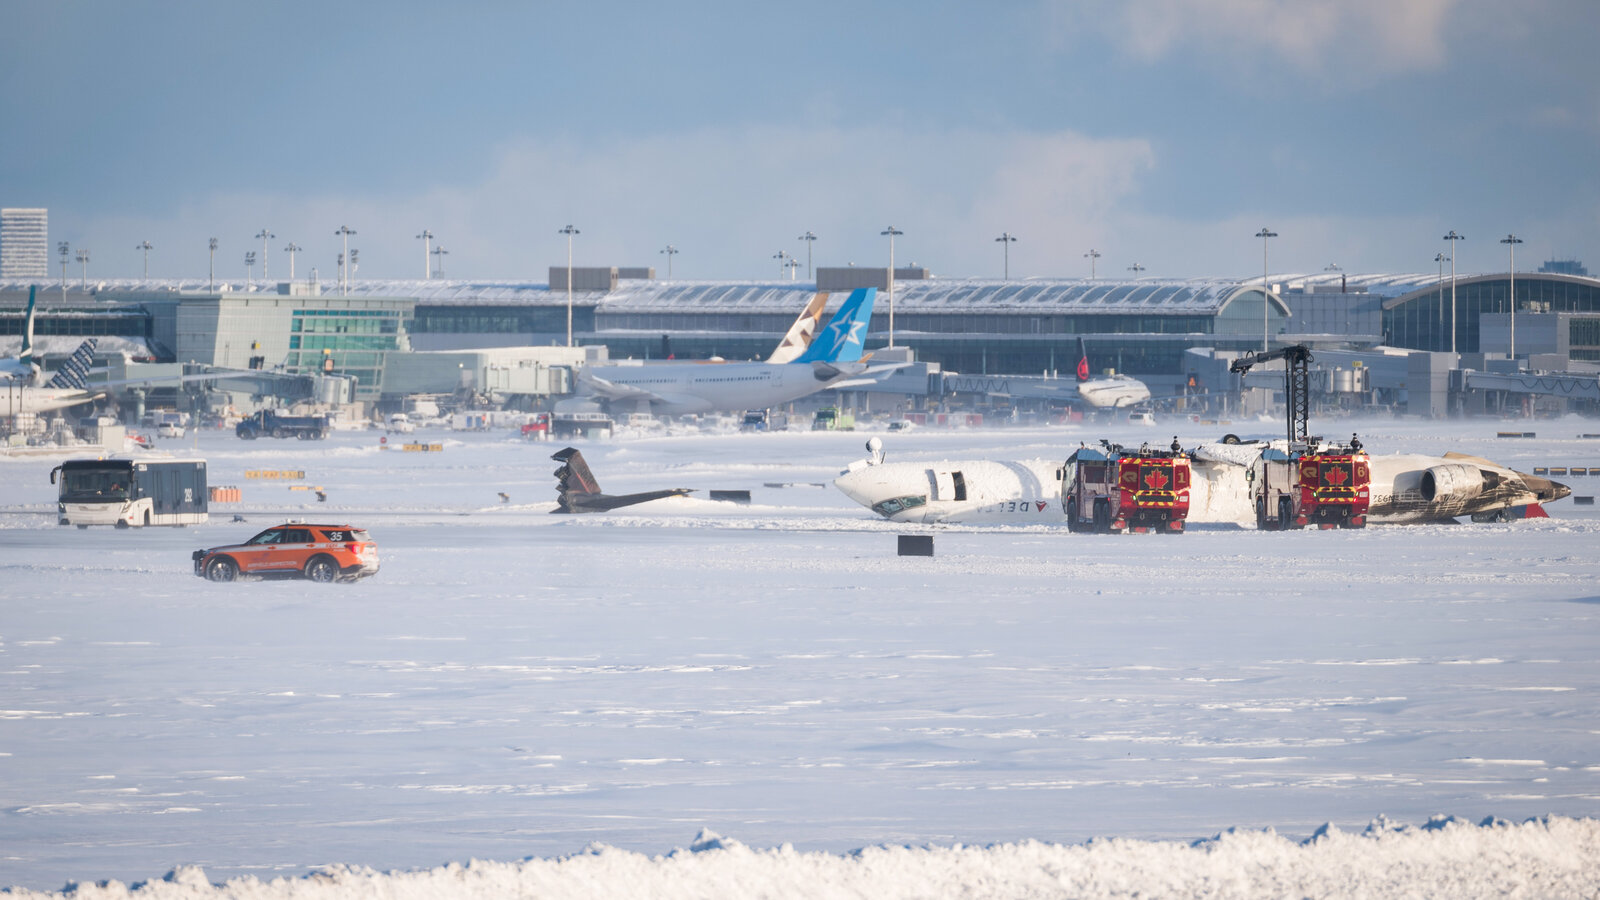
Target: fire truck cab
x=1112 y=489
x=1326 y=485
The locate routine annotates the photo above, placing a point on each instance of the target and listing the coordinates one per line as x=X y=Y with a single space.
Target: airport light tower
x=1006 y=239
x=62 y=246
x=1136 y=269
x=569 y=231
x=780 y=256
x=425 y=237
x=250 y=268
x=292 y=249
x=265 y=236
x=1511 y=241
x=441 y=252
x=146 y=246
x=212 y=278
x=1439 y=308
x=891 y=233
x=810 y=239
x=1266 y=332
x=1092 y=255
x=345 y=232
x=670 y=252
x=1452 y=237
x=83 y=259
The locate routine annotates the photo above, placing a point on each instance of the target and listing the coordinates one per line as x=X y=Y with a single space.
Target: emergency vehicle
x=1326 y=485
x=1113 y=489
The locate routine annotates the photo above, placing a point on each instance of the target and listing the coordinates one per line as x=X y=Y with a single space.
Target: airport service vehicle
x=830 y=418
x=1112 y=489
x=321 y=553
x=273 y=423
x=1319 y=484
x=1311 y=482
x=126 y=492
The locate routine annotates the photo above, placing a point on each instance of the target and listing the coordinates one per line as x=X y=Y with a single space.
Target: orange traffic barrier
x=225 y=495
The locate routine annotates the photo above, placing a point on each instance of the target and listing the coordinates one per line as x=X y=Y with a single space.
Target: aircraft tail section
x=579 y=492
x=26 y=356
x=844 y=339
x=74 y=373
x=802 y=332
x=1083 y=361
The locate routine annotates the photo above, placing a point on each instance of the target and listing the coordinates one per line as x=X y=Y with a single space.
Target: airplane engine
x=1449 y=482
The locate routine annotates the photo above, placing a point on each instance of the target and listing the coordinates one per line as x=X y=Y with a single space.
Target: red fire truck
x=1326 y=485
x=1114 y=489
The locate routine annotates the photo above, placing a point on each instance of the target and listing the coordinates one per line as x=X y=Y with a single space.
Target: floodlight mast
x=891 y=233
x=83 y=258
x=1006 y=239
x=213 y=275
x=670 y=252
x=440 y=252
x=265 y=236
x=425 y=237
x=1452 y=237
x=1266 y=305
x=146 y=246
x=569 y=231
x=1511 y=241
x=344 y=279
x=64 y=248
x=292 y=249
x=1092 y=255
x=810 y=239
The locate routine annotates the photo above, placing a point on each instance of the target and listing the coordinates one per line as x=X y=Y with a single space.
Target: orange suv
x=317 y=552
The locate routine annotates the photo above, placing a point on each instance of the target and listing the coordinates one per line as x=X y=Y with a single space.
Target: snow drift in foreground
x=1549 y=857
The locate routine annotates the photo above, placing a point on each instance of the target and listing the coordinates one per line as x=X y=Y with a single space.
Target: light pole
x=250 y=268
x=212 y=278
x=1092 y=255
x=1511 y=241
x=83 y=257
x=780 y=256
x=344 y=281
x=891 y=232
x=794 y=266
x=355 y=259
x=146 y=246
x=569 y=231
x=441 y=252
x=1266 y=332
x=265 y=236
x=1440 y=258
x=292 y=249
x=62 y=246
x=810 y=239
x=1006 y=239
x=1136 y=269
x=425 y=237
x=670 y=252
x=1452 y=237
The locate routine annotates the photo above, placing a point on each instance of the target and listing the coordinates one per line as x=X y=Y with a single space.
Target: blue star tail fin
x=844 y=338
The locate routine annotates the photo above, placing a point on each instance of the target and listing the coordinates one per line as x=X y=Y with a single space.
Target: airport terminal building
x=387 y=335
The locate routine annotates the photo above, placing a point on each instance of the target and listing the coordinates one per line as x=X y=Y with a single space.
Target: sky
x=1157 y=133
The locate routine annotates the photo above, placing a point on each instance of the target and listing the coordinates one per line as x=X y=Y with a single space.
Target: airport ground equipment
x=831 y=418
x=126 y=492
x=1312 y=482
x=271 y=423
x=1112 y=489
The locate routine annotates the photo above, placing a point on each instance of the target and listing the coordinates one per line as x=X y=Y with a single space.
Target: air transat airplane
x=833 y=359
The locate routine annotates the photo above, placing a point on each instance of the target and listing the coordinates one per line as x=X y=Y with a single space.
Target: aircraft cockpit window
x=888 y=508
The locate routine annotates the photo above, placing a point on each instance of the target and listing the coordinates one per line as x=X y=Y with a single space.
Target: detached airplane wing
x=578 y=491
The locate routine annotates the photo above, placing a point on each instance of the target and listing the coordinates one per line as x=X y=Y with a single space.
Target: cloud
x=1352 y=38
x=728 y=198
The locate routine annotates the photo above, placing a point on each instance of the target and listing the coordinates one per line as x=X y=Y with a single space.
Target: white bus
x=125 y=492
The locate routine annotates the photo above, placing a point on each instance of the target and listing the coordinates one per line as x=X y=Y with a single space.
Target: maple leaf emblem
x=1335 y=477
x=1155 y=479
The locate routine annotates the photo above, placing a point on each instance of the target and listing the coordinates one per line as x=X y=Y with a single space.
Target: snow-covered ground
x=514 y=685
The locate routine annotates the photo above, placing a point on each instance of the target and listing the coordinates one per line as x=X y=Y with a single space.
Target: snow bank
x=1552 y=857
